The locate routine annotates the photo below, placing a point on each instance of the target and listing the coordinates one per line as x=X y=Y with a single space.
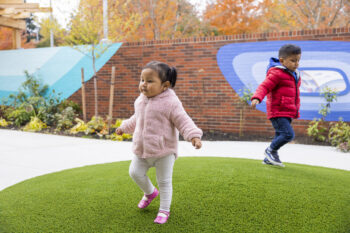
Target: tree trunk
x=153 y=4
x=111 y=95
x=83 y=94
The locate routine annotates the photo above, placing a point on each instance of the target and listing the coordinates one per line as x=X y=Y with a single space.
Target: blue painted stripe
x=69 y=83
x=242 y=65
x=58 y=67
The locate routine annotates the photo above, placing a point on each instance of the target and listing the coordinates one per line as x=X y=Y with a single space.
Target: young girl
x=158 y=118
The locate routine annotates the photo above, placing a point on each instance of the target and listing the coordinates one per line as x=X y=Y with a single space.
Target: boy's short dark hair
x=289 y=49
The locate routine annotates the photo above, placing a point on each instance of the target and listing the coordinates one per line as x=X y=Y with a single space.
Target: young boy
x=281 y=86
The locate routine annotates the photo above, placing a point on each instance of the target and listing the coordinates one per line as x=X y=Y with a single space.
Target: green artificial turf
x=210 y=195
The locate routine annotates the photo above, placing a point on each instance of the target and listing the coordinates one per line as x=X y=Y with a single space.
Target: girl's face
x=150 y=83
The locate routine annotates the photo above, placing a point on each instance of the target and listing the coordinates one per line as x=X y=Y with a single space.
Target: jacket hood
x=275 y=62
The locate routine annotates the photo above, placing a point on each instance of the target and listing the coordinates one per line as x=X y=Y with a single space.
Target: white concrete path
x=25 y=155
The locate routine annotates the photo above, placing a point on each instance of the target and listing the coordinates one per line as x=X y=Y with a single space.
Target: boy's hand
x=255 y=102
x=119 y=131
x=196 y=142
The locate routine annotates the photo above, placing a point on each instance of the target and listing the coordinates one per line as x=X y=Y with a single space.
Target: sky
x=62 y=9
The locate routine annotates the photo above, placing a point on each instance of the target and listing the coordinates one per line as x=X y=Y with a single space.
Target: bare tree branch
x=318 y=14
x=336 y=13
x=304 y=13
x=298 y=16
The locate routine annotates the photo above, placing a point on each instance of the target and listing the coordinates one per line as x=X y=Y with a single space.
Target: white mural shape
x=323 y=64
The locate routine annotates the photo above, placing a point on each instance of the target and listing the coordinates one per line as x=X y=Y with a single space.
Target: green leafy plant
x=116 y=137
x=65 y=119
x=4 y=123
x=330 y=95
x=117 y=123
x=3 y=110
x=33 y=99
x=97 y=126
x=34 y=125
x=81 y=126
x=69 y=103
x=244 y=97
x=318 y=128
x=31 y=87
x=19 y=116
x=339 y=135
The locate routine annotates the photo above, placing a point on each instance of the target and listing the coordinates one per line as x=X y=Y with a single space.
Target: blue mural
x=58 y=67
x=322 y=64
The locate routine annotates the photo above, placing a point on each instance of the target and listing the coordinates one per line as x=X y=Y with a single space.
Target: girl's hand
x=255 y=102
x=196 y=142
x=119 y=131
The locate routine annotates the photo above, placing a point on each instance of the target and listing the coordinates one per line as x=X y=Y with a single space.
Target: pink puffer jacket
x=156 y=124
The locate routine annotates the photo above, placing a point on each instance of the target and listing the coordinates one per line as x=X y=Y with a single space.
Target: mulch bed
x=207 y=136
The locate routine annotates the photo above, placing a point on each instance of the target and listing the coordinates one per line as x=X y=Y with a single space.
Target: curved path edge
x=26 y=155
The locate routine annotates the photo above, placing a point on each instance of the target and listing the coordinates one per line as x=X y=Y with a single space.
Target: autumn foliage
x=304 y=14
x=234 y=16
x=140 y=20
x=136 y=20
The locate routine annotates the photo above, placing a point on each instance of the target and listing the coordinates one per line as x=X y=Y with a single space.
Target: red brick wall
x=205 y=93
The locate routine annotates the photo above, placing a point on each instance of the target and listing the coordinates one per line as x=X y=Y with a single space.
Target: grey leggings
x=164 y=171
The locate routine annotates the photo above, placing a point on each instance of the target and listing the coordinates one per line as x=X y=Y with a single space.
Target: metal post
x=105 y=20
x=52 y=43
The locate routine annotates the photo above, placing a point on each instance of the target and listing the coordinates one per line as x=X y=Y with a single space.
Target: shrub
x=34 y=125
x=34 y=100
x=81 y=126
x=117 y=123
x=68 y=103
x=246 y=95
x=3 y=110
x=116 y=137
x=31 y=87
x=65 y=118
x=3 y=122
x=317 y=130
x=18 y=116
x=339 y=135
x=330 y=95
x=244 y=98
x=97 y=126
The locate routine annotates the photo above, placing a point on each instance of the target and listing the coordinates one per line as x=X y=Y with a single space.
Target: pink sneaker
x=147 y=199
x=162 y=217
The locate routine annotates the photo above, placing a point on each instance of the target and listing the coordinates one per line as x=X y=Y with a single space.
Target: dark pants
x=284 y=132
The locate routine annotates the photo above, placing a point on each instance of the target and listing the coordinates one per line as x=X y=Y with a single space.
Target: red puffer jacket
x=283 y=95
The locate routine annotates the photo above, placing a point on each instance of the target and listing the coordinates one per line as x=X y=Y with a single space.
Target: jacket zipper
x=296 y=97
x=296 y=92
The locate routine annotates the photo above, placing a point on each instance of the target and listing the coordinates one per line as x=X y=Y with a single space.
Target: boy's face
x=291 y=62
